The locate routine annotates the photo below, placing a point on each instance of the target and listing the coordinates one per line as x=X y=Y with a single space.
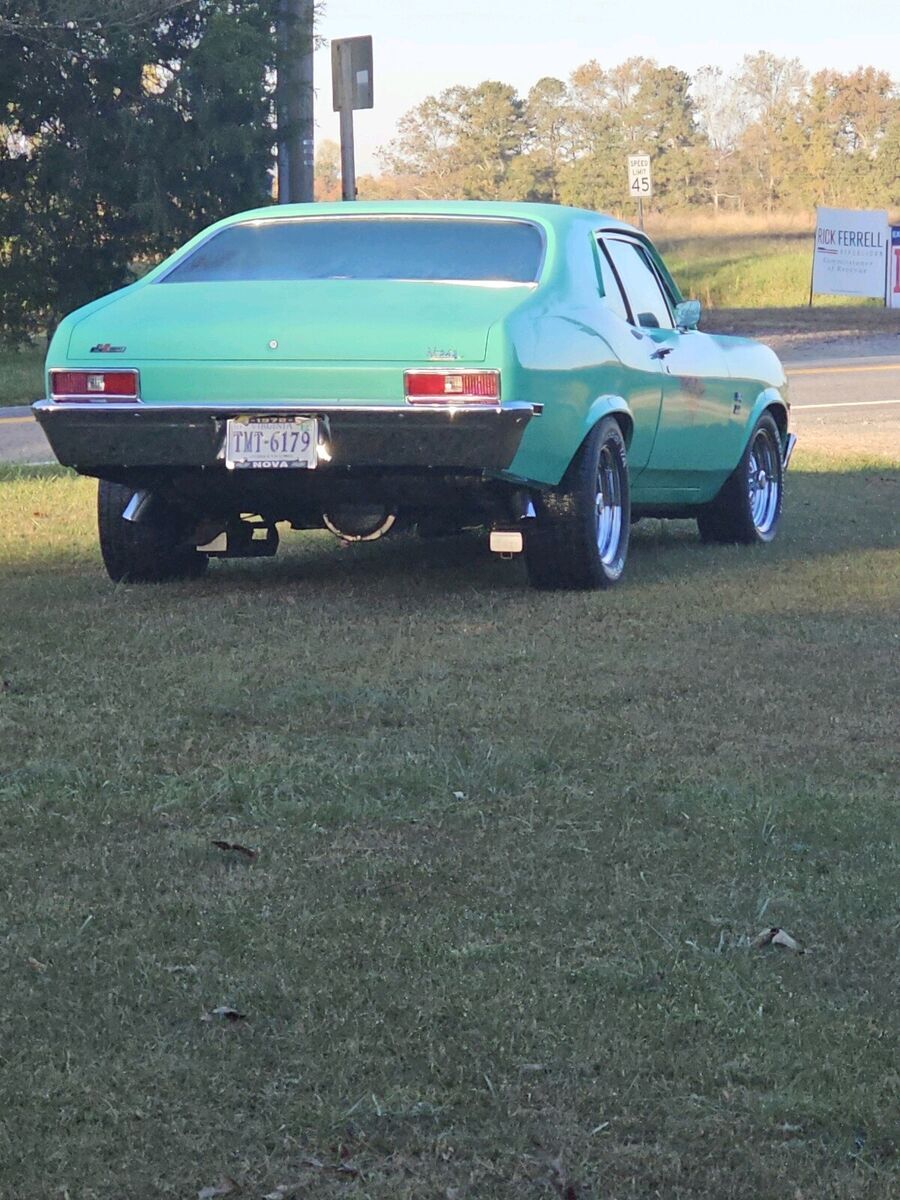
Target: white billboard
x=850 y=256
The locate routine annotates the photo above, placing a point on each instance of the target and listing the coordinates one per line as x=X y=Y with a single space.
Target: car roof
x=555 y=216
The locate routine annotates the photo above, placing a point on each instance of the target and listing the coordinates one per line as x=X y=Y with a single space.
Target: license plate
x=269 y=442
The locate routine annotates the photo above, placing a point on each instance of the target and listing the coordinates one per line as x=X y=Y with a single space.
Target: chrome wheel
x=579 y=537
x=608 y=504
x=748 y=506
x=764 y=481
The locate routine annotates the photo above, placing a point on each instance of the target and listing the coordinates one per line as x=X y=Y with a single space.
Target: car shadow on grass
x=827 y=514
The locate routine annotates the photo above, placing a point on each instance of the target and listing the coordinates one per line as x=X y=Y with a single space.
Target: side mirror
x=687 y=314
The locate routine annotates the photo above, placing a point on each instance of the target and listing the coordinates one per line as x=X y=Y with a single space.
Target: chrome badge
x=436 y=355
x=106 y=348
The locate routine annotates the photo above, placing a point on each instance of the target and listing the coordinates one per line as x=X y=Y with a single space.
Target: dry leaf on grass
x=777 y=937
x=224 y=1013
x=284 y=1191
x=36 y=964
x=224 y=1187
x=234 y=848
x=341 y=1168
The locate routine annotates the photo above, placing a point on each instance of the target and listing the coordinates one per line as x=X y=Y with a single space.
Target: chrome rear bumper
x=90 y=436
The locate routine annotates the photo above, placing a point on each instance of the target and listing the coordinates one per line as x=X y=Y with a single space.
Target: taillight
x=93 y=385
x=452 y=387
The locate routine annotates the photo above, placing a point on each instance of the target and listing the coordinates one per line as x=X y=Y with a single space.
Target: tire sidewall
x=765 y=423
x=607 y=433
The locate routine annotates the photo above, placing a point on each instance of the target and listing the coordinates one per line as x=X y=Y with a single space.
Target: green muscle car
x=525 y=368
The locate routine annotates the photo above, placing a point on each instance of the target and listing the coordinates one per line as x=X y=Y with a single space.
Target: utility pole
x=294 y=100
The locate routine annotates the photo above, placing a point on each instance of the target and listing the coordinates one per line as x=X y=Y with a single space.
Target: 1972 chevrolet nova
x=527 y=368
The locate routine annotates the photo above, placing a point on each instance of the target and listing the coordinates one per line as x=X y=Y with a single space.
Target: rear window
x=470 y=250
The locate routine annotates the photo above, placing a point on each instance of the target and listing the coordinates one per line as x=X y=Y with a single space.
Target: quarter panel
x=566 y=351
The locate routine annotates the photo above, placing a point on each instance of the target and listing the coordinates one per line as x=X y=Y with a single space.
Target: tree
x=771 y=90
x=549 y=141
x=847 y=118
x=635 y=107
x=126 y=135
x=721 y=121
x=460 y=144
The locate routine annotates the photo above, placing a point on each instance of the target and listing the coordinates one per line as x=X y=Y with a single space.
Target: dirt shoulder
x=848 y=331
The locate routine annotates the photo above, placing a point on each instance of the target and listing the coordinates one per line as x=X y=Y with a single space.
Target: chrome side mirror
x=687 y=314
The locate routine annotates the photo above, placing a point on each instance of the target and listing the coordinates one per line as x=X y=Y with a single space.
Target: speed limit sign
x=639 y=185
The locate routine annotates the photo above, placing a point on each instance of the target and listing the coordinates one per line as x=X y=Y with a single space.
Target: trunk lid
x=322 y=321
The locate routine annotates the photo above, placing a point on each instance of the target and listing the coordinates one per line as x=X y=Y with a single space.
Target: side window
x=640 y=284
x=612 y=293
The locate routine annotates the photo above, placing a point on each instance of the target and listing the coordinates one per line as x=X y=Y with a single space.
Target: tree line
x=125 y=127
x=769 y=135
x=128 y=125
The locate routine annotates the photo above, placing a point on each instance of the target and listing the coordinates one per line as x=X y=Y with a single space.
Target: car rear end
x=287 y=364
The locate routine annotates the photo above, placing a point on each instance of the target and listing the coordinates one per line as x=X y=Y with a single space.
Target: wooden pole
x=294 y=101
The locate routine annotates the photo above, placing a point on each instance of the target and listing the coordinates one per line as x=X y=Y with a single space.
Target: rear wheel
x=148 y=551
x=581 y=530
x=748 y=508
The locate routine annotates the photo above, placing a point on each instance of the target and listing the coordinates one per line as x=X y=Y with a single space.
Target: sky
x=424 y=46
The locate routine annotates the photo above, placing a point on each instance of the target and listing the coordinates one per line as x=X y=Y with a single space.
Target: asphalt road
x=836 y=403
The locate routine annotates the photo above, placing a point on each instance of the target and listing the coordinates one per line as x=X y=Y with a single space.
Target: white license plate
x=267 y=442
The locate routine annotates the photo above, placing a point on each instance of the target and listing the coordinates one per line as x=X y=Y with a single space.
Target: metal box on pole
x=352 y=87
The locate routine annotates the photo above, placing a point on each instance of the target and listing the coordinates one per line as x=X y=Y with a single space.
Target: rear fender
x=605 y=406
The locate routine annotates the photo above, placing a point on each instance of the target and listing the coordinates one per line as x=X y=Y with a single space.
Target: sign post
x=640 y=187
x=351 y=87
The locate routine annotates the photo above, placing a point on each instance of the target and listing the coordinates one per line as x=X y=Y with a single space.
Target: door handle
x=661 y=352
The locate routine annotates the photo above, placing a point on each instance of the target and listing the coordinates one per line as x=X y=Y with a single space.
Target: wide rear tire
x=152 y=550
x=748 y=508
x=581 y=530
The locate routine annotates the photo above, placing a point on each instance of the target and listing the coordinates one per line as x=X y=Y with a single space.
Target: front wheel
x=149 y=551
x=748 y=508
x=581 y=530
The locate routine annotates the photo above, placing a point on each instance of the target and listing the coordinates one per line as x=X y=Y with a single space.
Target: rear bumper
x=90 y=437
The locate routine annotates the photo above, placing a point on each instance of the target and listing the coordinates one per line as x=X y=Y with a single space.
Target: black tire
x=581 y=530
x=150 y=551
x=748 y=508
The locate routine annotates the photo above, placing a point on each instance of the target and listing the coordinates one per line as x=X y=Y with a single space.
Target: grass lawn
x=512 y=851
x=21 y=375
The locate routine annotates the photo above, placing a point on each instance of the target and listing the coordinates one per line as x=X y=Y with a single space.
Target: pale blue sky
x=423 y=46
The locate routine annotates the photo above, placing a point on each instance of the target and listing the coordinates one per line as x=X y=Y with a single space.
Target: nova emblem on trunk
x=437 y=355
x=106 y=348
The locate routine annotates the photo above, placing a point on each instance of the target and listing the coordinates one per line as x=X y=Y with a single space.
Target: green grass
x=21 y=375
x=741 y=270
x=512 y=848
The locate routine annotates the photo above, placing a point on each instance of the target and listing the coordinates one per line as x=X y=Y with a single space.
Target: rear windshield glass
x=355 y=248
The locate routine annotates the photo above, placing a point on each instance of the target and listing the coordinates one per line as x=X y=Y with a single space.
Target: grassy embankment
x=21 y=375
x=513 y=849
x=740 y=260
